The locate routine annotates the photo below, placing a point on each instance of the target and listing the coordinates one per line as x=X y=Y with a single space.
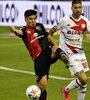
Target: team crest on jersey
x=35 y=34
x=83 y=25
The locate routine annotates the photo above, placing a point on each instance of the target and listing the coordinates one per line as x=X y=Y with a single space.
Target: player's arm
x=54 y=48
x=16 y=31
x=52 y=31
x=88 y=36
x=56 y=27
x=51 y=40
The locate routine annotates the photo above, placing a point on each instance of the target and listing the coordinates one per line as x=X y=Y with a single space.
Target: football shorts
x=42 y=64
x=78 y=62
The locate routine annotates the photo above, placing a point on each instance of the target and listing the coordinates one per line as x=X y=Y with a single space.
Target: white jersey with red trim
x=72 y=31
x=71 y=36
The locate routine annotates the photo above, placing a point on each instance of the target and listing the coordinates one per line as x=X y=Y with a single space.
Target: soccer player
x=42 y=48
x=72 y=29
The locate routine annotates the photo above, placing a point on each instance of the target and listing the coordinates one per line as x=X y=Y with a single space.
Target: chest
x=72 y=27
x=32 y=34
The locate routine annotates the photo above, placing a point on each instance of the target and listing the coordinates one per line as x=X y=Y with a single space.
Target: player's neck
x=29 y=27
x=75 y=17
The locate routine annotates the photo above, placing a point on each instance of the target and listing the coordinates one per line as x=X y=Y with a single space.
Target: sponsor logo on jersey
x=35 y=34
x=36 y=38
x=28 y=32
x=74 y=32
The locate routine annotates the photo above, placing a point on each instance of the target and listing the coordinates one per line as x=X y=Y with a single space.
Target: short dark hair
x=76 y=1
x=29 y=12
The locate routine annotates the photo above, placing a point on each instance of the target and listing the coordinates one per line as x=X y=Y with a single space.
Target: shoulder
x=39 y=24
x=85 y=19
x=23 y=28
x=64 y=18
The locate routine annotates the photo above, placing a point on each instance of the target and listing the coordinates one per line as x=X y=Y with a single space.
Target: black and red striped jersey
x=35 y=39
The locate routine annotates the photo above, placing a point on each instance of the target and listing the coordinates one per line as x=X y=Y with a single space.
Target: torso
x=35 y=39
x=72 y=33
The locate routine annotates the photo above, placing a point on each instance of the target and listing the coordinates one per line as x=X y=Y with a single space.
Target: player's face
x=77 y=10
x=31 y=21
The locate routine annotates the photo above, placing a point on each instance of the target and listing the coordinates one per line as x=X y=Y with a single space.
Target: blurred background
x=16 y=65
x=48 y=12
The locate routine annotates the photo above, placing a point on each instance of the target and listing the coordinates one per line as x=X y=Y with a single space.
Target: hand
x=88 y=36
x=12 y=28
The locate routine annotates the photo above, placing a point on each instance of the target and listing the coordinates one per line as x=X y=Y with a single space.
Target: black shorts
x=42 y=64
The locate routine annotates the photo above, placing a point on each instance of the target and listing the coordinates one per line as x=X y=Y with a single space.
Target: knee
x=84 y=80
x=82 y=76
x=42 y=85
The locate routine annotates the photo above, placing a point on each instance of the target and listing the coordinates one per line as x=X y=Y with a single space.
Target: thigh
x=78 y=63
x=82 y=76
x=53 y=51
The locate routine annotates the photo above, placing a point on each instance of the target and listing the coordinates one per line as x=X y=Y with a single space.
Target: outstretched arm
x=16 y=31
x=51 y=40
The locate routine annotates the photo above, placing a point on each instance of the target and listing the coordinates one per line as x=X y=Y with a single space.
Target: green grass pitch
x=14 y=55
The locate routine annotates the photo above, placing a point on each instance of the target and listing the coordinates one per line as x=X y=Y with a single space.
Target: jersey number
x=84 y=65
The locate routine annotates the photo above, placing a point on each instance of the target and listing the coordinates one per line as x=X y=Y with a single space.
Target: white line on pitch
x=32 y=73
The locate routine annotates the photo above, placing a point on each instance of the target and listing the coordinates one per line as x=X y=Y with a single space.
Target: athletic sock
x=63 y=57
x=59 y=52
x=82 y=92
x=43 y=95
x=74 y=84
x=81 y=88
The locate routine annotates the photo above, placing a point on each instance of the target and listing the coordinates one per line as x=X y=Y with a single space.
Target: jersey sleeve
x=59 y=24
x=23 y=29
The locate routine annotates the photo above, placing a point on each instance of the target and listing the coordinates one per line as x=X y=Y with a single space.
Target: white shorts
x=78 y=62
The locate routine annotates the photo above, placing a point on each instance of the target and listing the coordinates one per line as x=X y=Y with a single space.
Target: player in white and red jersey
x=72 y=29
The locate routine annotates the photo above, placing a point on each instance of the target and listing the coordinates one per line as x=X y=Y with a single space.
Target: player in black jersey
x=42 y=48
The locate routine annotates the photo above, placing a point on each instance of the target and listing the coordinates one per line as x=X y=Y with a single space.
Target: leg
x=82 y=86
x=79 y=83
x=82 y=76
x=42 y=84
x=41 y=66
x=57 y=52
x=78 y=62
